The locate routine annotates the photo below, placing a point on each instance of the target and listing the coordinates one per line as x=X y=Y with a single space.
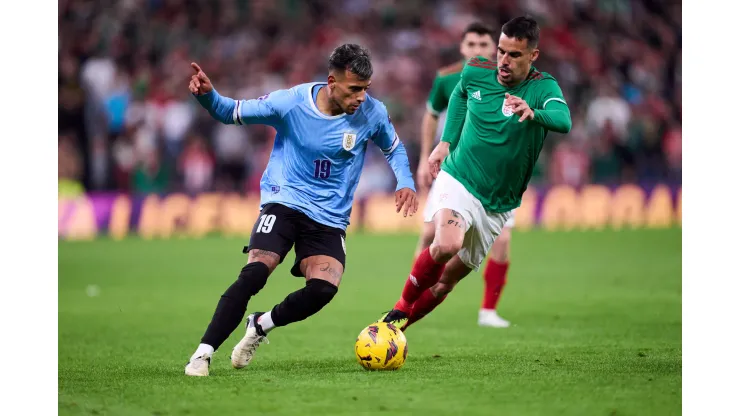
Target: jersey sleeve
x=552 y=111
x=268 y=109
x=549 y=91
x=437 y=102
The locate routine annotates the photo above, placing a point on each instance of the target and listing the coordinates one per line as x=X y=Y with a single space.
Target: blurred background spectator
x=128 y=123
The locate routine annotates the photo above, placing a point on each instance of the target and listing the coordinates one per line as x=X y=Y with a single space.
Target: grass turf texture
x=597 y=331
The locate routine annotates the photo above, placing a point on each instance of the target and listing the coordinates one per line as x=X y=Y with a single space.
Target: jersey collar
x=312 y=104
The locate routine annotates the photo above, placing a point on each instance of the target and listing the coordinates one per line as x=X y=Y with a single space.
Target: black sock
x=304 y=302
x=233 y=304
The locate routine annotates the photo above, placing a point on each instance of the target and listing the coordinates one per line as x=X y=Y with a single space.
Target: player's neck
x=510 y=85
x=325 y=105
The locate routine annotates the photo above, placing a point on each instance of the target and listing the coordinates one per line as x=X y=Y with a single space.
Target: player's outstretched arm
x=220 y=108
x=268 y=109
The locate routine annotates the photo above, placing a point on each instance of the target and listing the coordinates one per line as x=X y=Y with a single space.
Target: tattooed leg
x=450 y=233
x=323 y=274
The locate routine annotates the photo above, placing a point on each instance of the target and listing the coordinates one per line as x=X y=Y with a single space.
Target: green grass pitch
x=597 y=331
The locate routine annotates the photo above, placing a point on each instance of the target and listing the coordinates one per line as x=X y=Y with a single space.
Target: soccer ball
x=381 y=346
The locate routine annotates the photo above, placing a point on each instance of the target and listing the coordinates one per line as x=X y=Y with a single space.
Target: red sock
x=495 y=279
x=426 y=303
x=425 y=274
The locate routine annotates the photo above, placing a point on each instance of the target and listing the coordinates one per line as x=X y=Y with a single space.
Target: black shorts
x=279 y=227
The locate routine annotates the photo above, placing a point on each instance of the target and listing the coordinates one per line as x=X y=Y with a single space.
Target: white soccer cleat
x=244 y=350
x=489 y=317
x=198 y=367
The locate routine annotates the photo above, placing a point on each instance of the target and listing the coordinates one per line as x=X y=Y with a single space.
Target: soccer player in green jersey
x=497 y=120
x=477 y=40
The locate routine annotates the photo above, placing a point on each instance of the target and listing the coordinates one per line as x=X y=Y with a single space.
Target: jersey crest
x=508 y=110
x=348 y=142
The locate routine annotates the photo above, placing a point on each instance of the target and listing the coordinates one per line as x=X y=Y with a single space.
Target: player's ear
x=330 y=81
x=535 y=55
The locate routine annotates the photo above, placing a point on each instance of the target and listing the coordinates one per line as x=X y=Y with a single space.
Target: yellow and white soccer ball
x=381 y=346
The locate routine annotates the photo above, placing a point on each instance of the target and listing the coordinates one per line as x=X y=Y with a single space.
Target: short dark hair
x=353 y=58
x=523 y=27
x=479 y=28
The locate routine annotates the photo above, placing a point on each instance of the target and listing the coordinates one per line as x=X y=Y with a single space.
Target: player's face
x=347 y=91
x=474 y=45
x=515 y=59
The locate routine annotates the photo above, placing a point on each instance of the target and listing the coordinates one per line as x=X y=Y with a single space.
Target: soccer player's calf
x=494 y=278
x=450 y=227
x=439 y=268
x=320 y=259
x=430 y=264
x=455 y=270
x=494 y=274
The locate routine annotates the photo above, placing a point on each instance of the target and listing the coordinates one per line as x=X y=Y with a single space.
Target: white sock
x=202 y=349
x=265 y=321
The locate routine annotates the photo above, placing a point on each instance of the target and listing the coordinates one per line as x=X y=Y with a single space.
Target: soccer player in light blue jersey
x=323 y=130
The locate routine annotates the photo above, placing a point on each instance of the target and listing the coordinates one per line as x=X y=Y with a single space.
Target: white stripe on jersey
x=395 y=143
x=237 y=113
x=553 y=98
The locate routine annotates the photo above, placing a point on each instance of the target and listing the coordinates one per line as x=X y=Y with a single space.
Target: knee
x=253 y=277
x=268 y=258
x=321 y=290
x=445 y=249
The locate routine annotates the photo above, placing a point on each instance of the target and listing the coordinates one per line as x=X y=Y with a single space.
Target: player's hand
x=406 y=200
x=438 y=155
x=199 y=83
x=423 y=175
x=521 y=108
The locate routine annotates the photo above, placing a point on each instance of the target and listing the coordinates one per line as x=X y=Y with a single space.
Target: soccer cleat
x=244 y=350
x=489 y=317
x=395 y=317
x=198 y=367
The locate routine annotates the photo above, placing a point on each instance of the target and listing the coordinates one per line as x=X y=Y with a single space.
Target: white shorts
x=428 y=210
x=482 y=227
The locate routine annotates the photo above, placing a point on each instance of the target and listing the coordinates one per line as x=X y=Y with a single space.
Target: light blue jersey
x=317 y=159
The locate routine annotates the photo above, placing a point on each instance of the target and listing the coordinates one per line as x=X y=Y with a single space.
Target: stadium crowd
x=128 y=123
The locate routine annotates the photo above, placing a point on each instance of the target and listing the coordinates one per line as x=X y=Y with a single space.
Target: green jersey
x=444 y=83
x=491 y=153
